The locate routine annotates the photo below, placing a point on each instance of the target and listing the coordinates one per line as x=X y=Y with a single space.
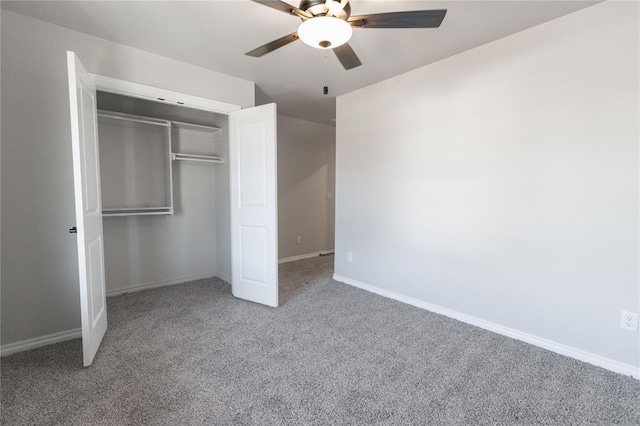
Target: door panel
x=253 y=164
x=254 y=203
x=95 y=288
x=90 y=155
x=253 y=244
x=86 y=179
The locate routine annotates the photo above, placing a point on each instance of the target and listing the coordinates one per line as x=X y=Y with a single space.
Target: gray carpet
x=331 y=354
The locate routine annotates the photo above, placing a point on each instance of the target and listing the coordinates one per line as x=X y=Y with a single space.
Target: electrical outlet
x=629 y=321
x=329 y=195
x=298 y=239
x=349 y=257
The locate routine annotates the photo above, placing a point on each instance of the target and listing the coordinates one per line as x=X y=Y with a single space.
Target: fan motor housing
x=319 y=8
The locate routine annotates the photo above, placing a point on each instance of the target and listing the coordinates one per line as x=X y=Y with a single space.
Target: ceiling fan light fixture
x=325 y=32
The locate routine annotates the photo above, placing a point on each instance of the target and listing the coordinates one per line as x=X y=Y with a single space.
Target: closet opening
x=165 y=192
x=175 y=209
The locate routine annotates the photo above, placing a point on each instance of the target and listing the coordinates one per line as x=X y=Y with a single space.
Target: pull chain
x=326 y=75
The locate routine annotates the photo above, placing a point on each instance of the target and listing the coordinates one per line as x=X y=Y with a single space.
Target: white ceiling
x=216 y=34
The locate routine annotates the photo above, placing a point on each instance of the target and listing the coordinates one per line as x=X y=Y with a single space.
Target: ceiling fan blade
x=347 y=56
x=284 y=7
x=275 y=44
x=413 y=19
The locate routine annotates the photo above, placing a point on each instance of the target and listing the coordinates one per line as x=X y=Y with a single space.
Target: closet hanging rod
x=133 y=118
x=197 y=158
x=119 y=209
x=200 y=160
x=215 y=131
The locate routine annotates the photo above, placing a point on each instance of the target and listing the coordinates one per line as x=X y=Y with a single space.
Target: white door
x=254 y=204
x=86 y=179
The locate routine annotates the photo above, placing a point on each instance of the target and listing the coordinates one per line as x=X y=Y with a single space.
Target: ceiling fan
x=328 y=24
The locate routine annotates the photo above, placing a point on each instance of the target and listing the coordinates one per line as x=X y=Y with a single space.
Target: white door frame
x=164 y=96
x=155 y=94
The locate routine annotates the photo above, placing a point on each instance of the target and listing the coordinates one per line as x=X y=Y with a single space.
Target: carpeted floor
x=331 y=354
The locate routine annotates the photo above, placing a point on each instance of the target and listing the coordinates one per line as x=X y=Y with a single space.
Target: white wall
x=39 y=267
x=502 y=183
x=306 y=173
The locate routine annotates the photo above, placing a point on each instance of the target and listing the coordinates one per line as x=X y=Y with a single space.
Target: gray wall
x=502 y=183
x=39 y=266
x=306 y=173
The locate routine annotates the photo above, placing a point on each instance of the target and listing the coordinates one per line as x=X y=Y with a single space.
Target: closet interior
x=165 y=193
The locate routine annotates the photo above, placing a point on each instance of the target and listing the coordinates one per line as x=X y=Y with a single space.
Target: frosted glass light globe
x=325 y=32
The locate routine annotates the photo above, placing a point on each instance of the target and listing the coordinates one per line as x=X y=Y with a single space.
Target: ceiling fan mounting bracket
x=319 y=8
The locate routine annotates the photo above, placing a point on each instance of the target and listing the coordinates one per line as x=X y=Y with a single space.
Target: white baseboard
x=37 y=342
x=147 y=286
x=49 y=339
x=579 y=354
x=223 y=277
x=304 y=256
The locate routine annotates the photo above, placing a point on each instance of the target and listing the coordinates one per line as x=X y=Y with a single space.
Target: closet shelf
x=176 y=156
x=210 y=130
x=137 y=211
x=133 y=118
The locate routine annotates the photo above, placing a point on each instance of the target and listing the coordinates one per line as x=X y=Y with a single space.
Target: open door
x=86 y=178
x=254 y=204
